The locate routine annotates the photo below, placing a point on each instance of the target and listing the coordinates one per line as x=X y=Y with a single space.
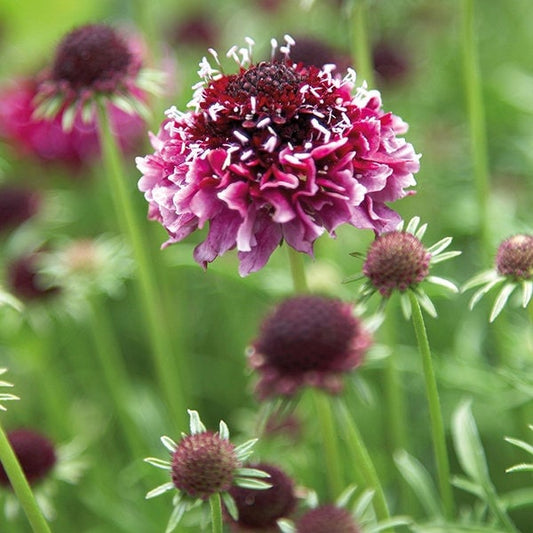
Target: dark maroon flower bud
x=34 y=452
x=23 y=279
x=326 y=519
x=17 y=205
x=307 y=340
x=260 y=509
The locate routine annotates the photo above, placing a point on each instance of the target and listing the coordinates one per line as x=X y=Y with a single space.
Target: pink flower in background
x=45 y=139
x=277 y=152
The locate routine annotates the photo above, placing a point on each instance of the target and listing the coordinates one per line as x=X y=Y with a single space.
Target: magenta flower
x=47 y=142
x=277 y=152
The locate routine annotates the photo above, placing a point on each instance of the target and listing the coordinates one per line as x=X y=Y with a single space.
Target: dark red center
x=91 y=54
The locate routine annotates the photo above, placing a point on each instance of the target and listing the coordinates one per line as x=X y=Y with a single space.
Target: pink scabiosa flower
x=95 y=62
x=260 y=510
x=513 y=268
x=307 y=340
x=203 y=464
x=397 y=261
x=45 y=140
x=278 y=152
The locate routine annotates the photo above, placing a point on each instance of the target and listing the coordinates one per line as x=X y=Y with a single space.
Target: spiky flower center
x=204 y=464
x=307 y=333
x=325 y=519
x=265 y=79
x=261 y=508
x=34 y=452
x=396 y=261
x=515 y=257
x=91 y=55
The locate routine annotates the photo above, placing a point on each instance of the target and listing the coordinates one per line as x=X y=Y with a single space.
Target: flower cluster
x=278 y=152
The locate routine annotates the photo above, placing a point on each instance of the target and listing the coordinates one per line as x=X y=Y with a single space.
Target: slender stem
x=362 y=461
x=432 y=393
x=166 y=364
x=297 y=270
x=114 y=372
x=216 y=513
x=476 y=119
x=21 y=486
x=361 y=51
x=330 y=443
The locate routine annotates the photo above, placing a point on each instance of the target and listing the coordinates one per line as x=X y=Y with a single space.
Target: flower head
x=202 y=464
x=278 y=152
x=398 y=261
x=24 y=281
x=307 y=340
x=45 y=140
x=91 y=61
x=35 y=453
x=260 y=510
x=513 y=268
x=17 y=205
x=321 y=519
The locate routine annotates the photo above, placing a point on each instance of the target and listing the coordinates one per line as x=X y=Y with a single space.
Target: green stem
x=361 y=51
x=114 y=373
x=216 y=513
x=166 y=364
x=476 y=119
x=297 y=270
x=362 y=461
x=432 y=393
x=21 y=486
x=330 y=443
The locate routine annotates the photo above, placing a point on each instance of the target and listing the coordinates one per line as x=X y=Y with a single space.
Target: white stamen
x=263 y=122
x=227 y=161
x=273 y=46
x=289 y=40
x=253 y=103
x=321 y=129
x=251 y=44
x=242 y=138
x=214 y=53
x=270 y=145
x=350 y=76
x=245 y=61
x=232 y=52
x=245 y=155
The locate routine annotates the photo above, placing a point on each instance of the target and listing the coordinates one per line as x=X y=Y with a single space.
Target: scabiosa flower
x=203 y=464
x=398 y=261
x=35 y=453
x=24 y=281
x=307 y=340
x=45 y=140
x=260 y=510
x=321 y=520
x=43 y=464
x=278 y=152
x=94 y=61
x=17 y=204
x=513 y=268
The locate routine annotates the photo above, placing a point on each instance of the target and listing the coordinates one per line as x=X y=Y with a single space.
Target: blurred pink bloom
x=278 y=152
x=45 y=139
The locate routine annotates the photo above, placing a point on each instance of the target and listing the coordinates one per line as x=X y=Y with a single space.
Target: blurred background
x=418 y=67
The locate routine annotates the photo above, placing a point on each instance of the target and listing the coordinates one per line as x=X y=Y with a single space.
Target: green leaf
x=169 y=444
x=195 y=423
x=520 y=444
x=176 y=516
x=165 y=487
x=420 y=482
x=468 y=445
x=244 y=450
x=522 y=467
x=159 y=463
x=251 y=472
x=223 y=430
x=251 y=483
x=230 y=504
